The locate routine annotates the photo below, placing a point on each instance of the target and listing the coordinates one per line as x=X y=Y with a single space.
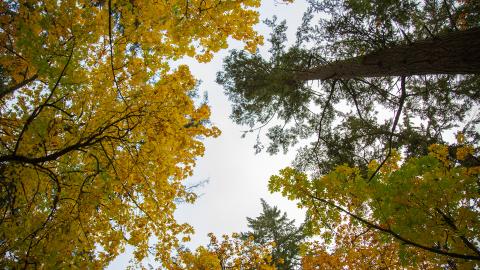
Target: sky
x=237 y=177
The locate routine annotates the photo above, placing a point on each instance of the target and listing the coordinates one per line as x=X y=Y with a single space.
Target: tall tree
x=452 y=53
x=347 y=127
x=97 y=132
x=358 y=116
x=273 y=226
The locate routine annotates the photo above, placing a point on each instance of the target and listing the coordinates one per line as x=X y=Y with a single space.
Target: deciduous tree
x=97 y=132
x=356 y=247
x=233 y=252
x=429 y=203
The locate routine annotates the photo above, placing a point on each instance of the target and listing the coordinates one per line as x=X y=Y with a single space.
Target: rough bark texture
x=452 y=53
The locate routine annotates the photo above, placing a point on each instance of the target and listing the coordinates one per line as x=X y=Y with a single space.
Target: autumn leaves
x=98 y=132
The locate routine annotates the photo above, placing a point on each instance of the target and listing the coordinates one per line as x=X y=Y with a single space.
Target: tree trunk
x=452 y=53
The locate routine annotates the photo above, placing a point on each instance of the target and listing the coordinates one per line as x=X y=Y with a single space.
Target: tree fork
x=452 y=53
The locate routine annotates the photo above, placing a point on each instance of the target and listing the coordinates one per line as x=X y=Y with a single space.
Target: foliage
x=97 y=131
x=274 y=227
x=235 y=252
x=352 y=121
x=428 y=202
x=359 y=248
x=377 y=154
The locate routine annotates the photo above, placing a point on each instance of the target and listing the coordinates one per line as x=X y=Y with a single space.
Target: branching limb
x=401 y=102
x=110 y=40
x=39 y=109
x=13 y=88
x=322 y=116
x=392 y=233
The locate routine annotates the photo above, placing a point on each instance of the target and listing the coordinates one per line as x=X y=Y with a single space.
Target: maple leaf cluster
x=97 y=130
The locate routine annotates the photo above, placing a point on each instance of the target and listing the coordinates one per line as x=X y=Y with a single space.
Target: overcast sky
x=237 y=178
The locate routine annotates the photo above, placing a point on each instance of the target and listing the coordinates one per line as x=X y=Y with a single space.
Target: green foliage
x=273 y=226
x=429 y=203
x=351 y=121
x=377 y=156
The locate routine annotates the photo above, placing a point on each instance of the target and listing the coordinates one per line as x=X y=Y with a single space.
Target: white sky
x=237 y=177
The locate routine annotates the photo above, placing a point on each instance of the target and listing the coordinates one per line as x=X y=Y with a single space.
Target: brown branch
x=450 y=17
x=401 y=101
x=394 y=234
x=13 y=88
x=110 y=40
x=39 y=109
x=353 y=95
x=91 y=140
x=451 y=223
x=326 y=105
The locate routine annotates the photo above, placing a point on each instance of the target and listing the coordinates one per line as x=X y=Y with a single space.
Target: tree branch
x=39 y=109
x=394 y=234
x=401 y=101
x=13 y=88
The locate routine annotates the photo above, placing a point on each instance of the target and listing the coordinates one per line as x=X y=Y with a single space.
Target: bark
x=13 y=88
x=452 y=53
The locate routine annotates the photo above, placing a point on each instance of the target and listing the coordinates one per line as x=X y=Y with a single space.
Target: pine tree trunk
x=452 y=53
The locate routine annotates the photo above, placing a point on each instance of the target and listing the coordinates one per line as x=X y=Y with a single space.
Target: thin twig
x=110 y=40
x=326 y=105
x=395 y=122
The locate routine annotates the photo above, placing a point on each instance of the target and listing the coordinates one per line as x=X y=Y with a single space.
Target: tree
x=427 y=203
x=359 y=121
x=274 y=227
x=359 y=248
x=348 y=127
x=451 y=53
x=97 y=132
x=235 y=252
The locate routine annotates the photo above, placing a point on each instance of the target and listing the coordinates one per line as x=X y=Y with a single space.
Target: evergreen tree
x=273 y=226
x=356 y=120
x=365 y=53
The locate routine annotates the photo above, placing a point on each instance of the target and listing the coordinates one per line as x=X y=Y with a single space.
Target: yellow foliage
x=232 y=252
x=440 y=152
x=464 y=151
x=362 y=249
x=411 y=206
x=460 y=138
x=97 y=131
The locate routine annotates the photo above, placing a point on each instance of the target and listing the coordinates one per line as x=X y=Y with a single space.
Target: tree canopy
x=341 y=116
x=428 y=203
x=233 y=252
x=100 y=124
x=271 y=226
x=380 y=157
x=97 y=130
